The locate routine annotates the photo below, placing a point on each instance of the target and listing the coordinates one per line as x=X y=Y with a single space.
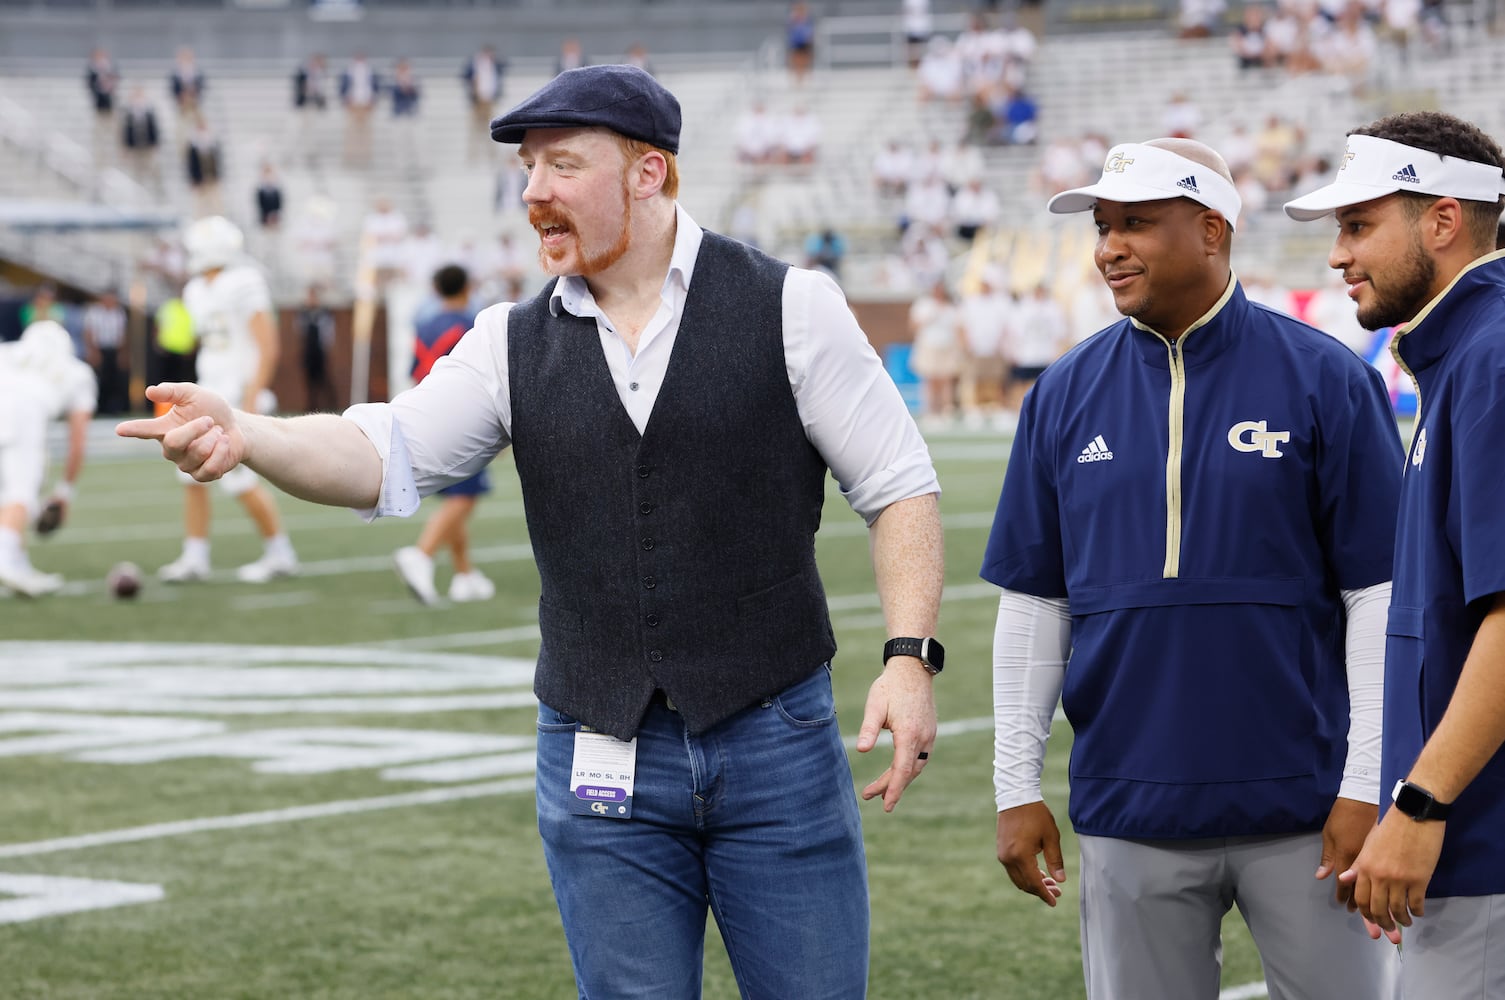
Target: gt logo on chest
x=1252 y=435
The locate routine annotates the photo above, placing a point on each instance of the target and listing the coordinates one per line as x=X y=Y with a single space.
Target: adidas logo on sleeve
x=1096 y=451
x=1406 y=174
x=1189 y=183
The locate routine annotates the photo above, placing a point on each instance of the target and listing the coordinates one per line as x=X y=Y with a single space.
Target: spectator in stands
x=202 y=162
x=359 y=87
x=1349 y=49
x=1019 y=43
x=1015 y=119
x=937 y=356
x=105 y=350
x=1200 y=18
x=1040 y=335
x=310 y=97
x=511 y=271
x=918 y=25
x=1238 y=148
x=571 y=55
x=927 y=203
x=758 y=140
x=384 y=233
x=940 y=73
x=637 y=55
x=1255 y=196
x=799 y=39
x=103 y=79
x=974 y=207
x=1060 y=167
x=893 y=165
x=1251 y=47
x=987 y=314
x=1181 y=118
x=316 y=336
x=43 y=304
x=925 y=255
x=405 y=95
x=268 y=197
x=1276 y=149
x=187 y=82
x=980 y=49
x=483 y=85
x=802 y=132
x=825 y=250
x=960 y=164
x=139 y=136
x=315 y=241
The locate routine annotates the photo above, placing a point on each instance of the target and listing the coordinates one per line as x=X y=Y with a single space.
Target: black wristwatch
x=928 y=651
x=1418 y=803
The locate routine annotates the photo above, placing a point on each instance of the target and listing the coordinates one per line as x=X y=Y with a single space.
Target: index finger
x=151 y=428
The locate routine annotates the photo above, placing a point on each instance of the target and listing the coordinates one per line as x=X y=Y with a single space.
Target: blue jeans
x=756 y=819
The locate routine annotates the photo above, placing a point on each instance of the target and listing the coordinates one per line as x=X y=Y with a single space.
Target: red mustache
x=544 y=215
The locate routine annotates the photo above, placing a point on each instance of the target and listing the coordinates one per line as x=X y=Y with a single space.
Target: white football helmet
x=47 y=339
x=212 y=242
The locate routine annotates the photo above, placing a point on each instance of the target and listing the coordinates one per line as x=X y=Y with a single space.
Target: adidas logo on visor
x=1190 y=183
x=1406 y=174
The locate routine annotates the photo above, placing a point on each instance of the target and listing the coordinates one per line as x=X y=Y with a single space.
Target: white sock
x=196 y=549
x=279 y=545
x=11 y=552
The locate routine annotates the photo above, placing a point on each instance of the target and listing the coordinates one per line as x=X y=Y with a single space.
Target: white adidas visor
x=1373 y=168
x=1135 y=172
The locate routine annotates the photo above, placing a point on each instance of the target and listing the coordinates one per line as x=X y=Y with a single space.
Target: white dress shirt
x=449 y=426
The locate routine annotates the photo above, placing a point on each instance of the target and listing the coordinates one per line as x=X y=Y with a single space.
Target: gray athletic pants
x=1456 y=951
x=1152 y=911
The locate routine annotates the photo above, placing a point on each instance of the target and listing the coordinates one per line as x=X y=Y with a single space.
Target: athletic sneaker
x=28 y=581
x=184 y=569
x=417 y=571
x=471 y=586
x=269 y=567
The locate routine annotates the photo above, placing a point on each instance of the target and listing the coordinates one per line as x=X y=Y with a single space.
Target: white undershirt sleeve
x=1030 y=645
x=1365 y=648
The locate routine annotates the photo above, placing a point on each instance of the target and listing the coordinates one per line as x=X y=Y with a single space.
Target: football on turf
x=124 y=581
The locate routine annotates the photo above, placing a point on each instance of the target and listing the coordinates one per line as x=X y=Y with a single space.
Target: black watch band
x=928 y=651
x=1418 y=803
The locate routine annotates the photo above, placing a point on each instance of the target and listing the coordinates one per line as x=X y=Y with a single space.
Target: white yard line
x=270 y=817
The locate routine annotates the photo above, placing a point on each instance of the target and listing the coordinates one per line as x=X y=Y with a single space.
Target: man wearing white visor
x=1190 y=509
x=1417 y=200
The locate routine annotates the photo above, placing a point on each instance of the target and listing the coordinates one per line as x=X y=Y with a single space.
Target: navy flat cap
x=622 y=98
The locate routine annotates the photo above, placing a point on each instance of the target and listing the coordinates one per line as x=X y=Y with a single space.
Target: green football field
x=319 y=788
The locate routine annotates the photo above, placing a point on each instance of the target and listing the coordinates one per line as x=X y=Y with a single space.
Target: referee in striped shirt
x=104 y=340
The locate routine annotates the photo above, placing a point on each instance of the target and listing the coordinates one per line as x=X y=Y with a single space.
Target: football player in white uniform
x=232 y=319
x=41 y=379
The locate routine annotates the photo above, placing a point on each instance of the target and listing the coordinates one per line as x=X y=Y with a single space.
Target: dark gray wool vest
x=682 y=558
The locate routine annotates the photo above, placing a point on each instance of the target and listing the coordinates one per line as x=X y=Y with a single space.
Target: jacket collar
x=1425 y=339
x=1208 y=337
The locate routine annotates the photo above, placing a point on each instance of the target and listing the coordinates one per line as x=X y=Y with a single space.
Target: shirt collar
x=572 y=295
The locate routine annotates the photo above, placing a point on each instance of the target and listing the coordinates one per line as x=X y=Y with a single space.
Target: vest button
x=645 y=507
x=647 y=545
x=642 y=472
x=649 y=582
x=650 y=619
x=655 y=655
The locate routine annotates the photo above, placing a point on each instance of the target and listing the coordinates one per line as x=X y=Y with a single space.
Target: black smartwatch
x=928 y=651
x=1418 y=803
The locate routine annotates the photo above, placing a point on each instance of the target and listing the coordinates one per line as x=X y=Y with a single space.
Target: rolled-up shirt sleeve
x=449 y=426
x=851 y=410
